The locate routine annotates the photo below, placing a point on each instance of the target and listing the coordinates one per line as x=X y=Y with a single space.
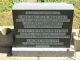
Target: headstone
x=42 y=25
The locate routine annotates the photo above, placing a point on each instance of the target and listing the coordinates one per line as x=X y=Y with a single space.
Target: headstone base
x=43 y=52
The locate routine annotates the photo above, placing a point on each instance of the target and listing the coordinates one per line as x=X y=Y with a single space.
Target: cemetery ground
x=3 y=56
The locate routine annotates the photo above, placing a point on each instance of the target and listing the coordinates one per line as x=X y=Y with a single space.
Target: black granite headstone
x=42 y=27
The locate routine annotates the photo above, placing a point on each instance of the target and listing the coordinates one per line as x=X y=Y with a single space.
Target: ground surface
x=4 y=57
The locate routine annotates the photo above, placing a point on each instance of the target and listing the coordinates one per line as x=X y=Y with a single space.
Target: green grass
x=5 y=11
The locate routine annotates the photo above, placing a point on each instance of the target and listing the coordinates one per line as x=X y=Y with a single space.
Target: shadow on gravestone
x=6 y=41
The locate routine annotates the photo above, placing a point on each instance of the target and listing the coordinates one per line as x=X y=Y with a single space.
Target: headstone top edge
x=42 y=6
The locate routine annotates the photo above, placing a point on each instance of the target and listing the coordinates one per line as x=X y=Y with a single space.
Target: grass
x=6 y=19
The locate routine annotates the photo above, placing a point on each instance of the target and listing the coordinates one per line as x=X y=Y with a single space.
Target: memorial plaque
x=43 y=27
